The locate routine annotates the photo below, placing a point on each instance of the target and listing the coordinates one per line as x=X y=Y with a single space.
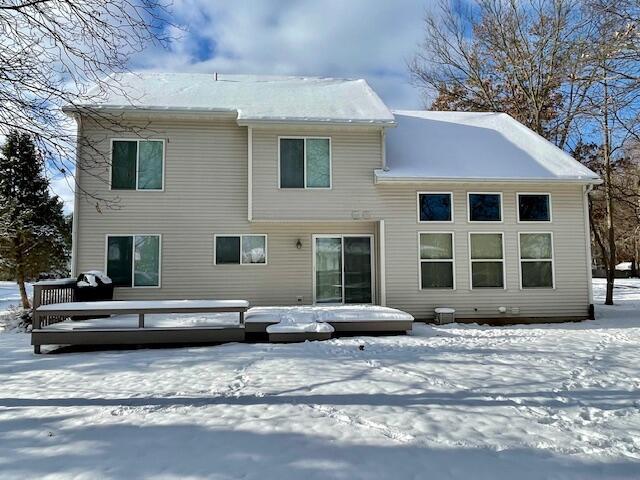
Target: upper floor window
x=435 y=207
x=133 y=260
x=137 y=164
x=305 y=162
x=534 y=207
x=240 y=249
x=485 y=207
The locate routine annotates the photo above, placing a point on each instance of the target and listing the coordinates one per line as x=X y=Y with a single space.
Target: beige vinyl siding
x=206 y=191
x=568 y=299
x=355 y=153
x=205 y=194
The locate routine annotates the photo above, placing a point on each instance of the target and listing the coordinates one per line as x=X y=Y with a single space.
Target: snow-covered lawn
x=468 y=402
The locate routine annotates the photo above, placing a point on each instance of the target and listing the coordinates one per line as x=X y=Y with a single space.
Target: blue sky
x=371 y=39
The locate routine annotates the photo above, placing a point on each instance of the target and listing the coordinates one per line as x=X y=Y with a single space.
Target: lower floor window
x=134 y=260
x=436 y=260
x=487 y=260
x=536 y=260
x=240 y=249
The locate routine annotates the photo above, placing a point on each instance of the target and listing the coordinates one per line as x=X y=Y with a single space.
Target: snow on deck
x=299 y=327
x=143 y=304
x=328 y=313
x=150 y=321
x=558 y=401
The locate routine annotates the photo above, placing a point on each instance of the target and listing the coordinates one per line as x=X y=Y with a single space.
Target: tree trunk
x=608 y=195
x=24 y=298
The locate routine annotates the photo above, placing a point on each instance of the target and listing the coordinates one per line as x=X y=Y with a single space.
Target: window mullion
x=133 y=259
x=137 y=165
x=304 y=162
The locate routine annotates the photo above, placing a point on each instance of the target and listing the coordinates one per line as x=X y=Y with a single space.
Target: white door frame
x=342 y=236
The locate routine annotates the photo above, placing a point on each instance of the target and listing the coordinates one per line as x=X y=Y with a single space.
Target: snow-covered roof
x=254 y=98
x=459 y=146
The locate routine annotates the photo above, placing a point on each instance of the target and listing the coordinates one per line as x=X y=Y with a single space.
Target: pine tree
x=33 y=229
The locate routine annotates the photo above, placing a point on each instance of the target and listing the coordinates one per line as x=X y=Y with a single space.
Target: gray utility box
x=445 y=315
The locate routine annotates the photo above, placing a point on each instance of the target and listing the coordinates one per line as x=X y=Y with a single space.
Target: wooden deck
x=136 y=336
x=45 y=332
x=54 y=306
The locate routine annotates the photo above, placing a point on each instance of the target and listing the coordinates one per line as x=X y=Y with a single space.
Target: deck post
x=36 y=349
x=241 y=319
x=141 y=320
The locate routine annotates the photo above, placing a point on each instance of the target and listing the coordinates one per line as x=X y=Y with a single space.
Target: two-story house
x=287 y=191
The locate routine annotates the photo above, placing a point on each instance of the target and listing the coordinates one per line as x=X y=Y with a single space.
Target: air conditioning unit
x=445 y=315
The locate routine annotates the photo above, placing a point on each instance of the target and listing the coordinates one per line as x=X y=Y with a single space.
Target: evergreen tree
x=33 y=229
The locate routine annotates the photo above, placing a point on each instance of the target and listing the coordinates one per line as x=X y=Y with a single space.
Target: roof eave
x=120 y=109
x=230 y=112
x=421 y=179
x=248 y=122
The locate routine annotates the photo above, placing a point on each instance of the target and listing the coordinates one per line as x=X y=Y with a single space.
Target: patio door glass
x=343 y=271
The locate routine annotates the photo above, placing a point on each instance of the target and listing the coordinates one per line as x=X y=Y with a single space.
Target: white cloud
x=372 y=39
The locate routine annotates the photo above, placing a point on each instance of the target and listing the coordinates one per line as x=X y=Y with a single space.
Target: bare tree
x=613 y=108
x=65 y=52
x=526 y=58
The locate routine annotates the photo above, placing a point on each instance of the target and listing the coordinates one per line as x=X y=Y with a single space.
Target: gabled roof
x=461 y=146
x=254 y=98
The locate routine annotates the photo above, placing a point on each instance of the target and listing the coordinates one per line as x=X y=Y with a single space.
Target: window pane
x=537 y=274
x=435 y=207
x=357 y=270
x=147 y=261
x=535 y=245
x=254 y=249
x=119 y=250
x=123 y=165
x=292 y=163
x=437 y=274
x=486 y=274
x=318 y=165
x=227 y=250
x=486 y=245
x=150 y=166
x=328 y=270
x=436 y=246
x=484 y=207
x=534 y=208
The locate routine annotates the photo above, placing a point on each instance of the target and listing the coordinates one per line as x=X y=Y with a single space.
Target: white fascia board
x=388 y=179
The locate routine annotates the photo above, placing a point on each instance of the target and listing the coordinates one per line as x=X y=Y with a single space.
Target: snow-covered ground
x=9 y=295
x=468 y=402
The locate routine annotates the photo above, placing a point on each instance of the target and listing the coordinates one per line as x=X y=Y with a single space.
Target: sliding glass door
x=343 y=269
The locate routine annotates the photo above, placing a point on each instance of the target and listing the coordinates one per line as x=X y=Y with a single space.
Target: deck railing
x=51 y=291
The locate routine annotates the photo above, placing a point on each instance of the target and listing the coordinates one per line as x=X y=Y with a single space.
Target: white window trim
x=305 y=138
x=552 y=260
x=485 y=221
x=452 y=260
x=487 y=260
x=137 y=140
x=431 y=222
x=241 y=235
x=342 y=237
x=133 y=257
x=529 y=222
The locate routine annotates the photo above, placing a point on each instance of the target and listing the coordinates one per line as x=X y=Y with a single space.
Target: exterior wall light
x=298 y=244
